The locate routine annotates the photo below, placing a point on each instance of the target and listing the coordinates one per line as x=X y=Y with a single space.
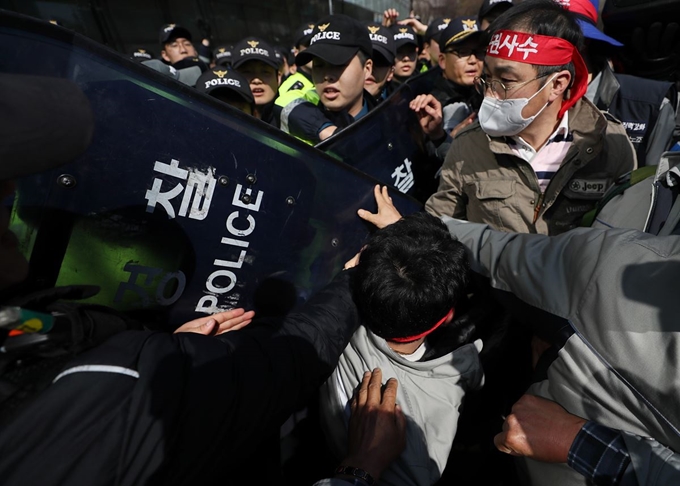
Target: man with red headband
x=540 y=155
x=407 y=284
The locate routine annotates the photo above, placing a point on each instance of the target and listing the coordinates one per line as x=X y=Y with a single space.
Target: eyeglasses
x=484 y=84
x=465 y=53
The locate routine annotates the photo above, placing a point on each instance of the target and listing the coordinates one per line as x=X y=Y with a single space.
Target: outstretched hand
x=390 y=17
x=429 y=113
x=415 y=24
x=377 y=427
x=219 y=323
x=387 y=213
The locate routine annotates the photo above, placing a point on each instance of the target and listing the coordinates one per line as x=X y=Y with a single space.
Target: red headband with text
x=542 y=50
x=410 y=339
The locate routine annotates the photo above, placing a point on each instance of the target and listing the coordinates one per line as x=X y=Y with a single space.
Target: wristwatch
x=359 y=474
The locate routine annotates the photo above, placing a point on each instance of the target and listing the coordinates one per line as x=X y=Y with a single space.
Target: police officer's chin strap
x=542 y=50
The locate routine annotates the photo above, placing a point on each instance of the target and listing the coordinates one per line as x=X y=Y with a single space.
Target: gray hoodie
x=430 y=394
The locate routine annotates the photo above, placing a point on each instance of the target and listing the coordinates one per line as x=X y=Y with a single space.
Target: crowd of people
x=497 y=280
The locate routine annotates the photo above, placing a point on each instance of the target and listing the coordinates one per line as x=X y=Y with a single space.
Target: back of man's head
x=410 y=275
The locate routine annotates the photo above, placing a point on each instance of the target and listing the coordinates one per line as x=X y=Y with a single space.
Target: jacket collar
x=607 y=88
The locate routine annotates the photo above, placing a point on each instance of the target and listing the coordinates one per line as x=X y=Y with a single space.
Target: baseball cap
x=490 y=5
x=46 y=122
x=435 y=29
x=587 y=11
x=403 y=35
x=141 y=55
x=219 y=78
x=303 y=34
x=222 y=55
x=336 y=39
x=254 y=49
x=170 y=32
x=383 y=41
x=458 y=30
x=278 y=55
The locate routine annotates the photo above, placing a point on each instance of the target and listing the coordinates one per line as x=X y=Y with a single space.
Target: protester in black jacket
x=154 y=408
x=150 y=407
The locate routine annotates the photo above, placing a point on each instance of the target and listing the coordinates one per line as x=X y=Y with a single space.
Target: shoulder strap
x=620 y=185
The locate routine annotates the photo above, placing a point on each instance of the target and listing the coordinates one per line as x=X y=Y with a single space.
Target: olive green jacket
x=483 y=181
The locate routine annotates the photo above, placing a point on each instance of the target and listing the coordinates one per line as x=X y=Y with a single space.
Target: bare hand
x=429 y=113
x=390 y=17
x=377 y=428
x=387 y=213
x=540 y=429
x=353 y=262
x=415 y=24
x=219 y=323
x=468 y=121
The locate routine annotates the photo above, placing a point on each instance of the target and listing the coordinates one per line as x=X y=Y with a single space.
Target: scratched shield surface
x=388 y=143
x=181 y=205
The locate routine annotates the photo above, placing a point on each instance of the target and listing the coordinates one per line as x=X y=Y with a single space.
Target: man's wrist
x=364 y=464
x=438 y=137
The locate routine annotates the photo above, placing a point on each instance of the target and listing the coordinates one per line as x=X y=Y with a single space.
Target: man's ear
x=279 y=74
x=390 y=74
x=368 y=68
x=164 y=55
x=442 y=61
x=560 y=85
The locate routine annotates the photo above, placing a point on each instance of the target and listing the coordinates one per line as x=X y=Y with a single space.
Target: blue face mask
x=503 y=118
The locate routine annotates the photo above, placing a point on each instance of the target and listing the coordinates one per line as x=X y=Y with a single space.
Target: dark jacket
x=645 y=107
x=271 y=113
x=176 y=409
x=448 y=92
x=304 y=119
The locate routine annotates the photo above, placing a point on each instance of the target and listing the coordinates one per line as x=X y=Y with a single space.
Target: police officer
x=406 y=46
x=228 y=86
x=340 y=50
x=179 y=57
x=222 y=56
x=176 y=44
x=431 y=38
x=378 y=83
x=461 y=59
x=256 y=61
x=141 y=55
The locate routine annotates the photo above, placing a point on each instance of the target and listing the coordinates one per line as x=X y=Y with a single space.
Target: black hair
x=496 y=12
x=410 y=274
x=363 y=57
x=543 y=17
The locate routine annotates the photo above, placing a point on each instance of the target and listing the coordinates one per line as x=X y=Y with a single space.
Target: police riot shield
x=181 y=205
x=389 y=144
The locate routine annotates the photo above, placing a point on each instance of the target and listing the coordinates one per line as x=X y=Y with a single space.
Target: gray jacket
x=616 y=292
x=430 y=394
x=646 y=205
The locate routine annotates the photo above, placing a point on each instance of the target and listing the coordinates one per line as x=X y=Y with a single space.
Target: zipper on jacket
x=537 y=208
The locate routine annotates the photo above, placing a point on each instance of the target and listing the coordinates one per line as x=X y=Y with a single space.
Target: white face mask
x=503 y=118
